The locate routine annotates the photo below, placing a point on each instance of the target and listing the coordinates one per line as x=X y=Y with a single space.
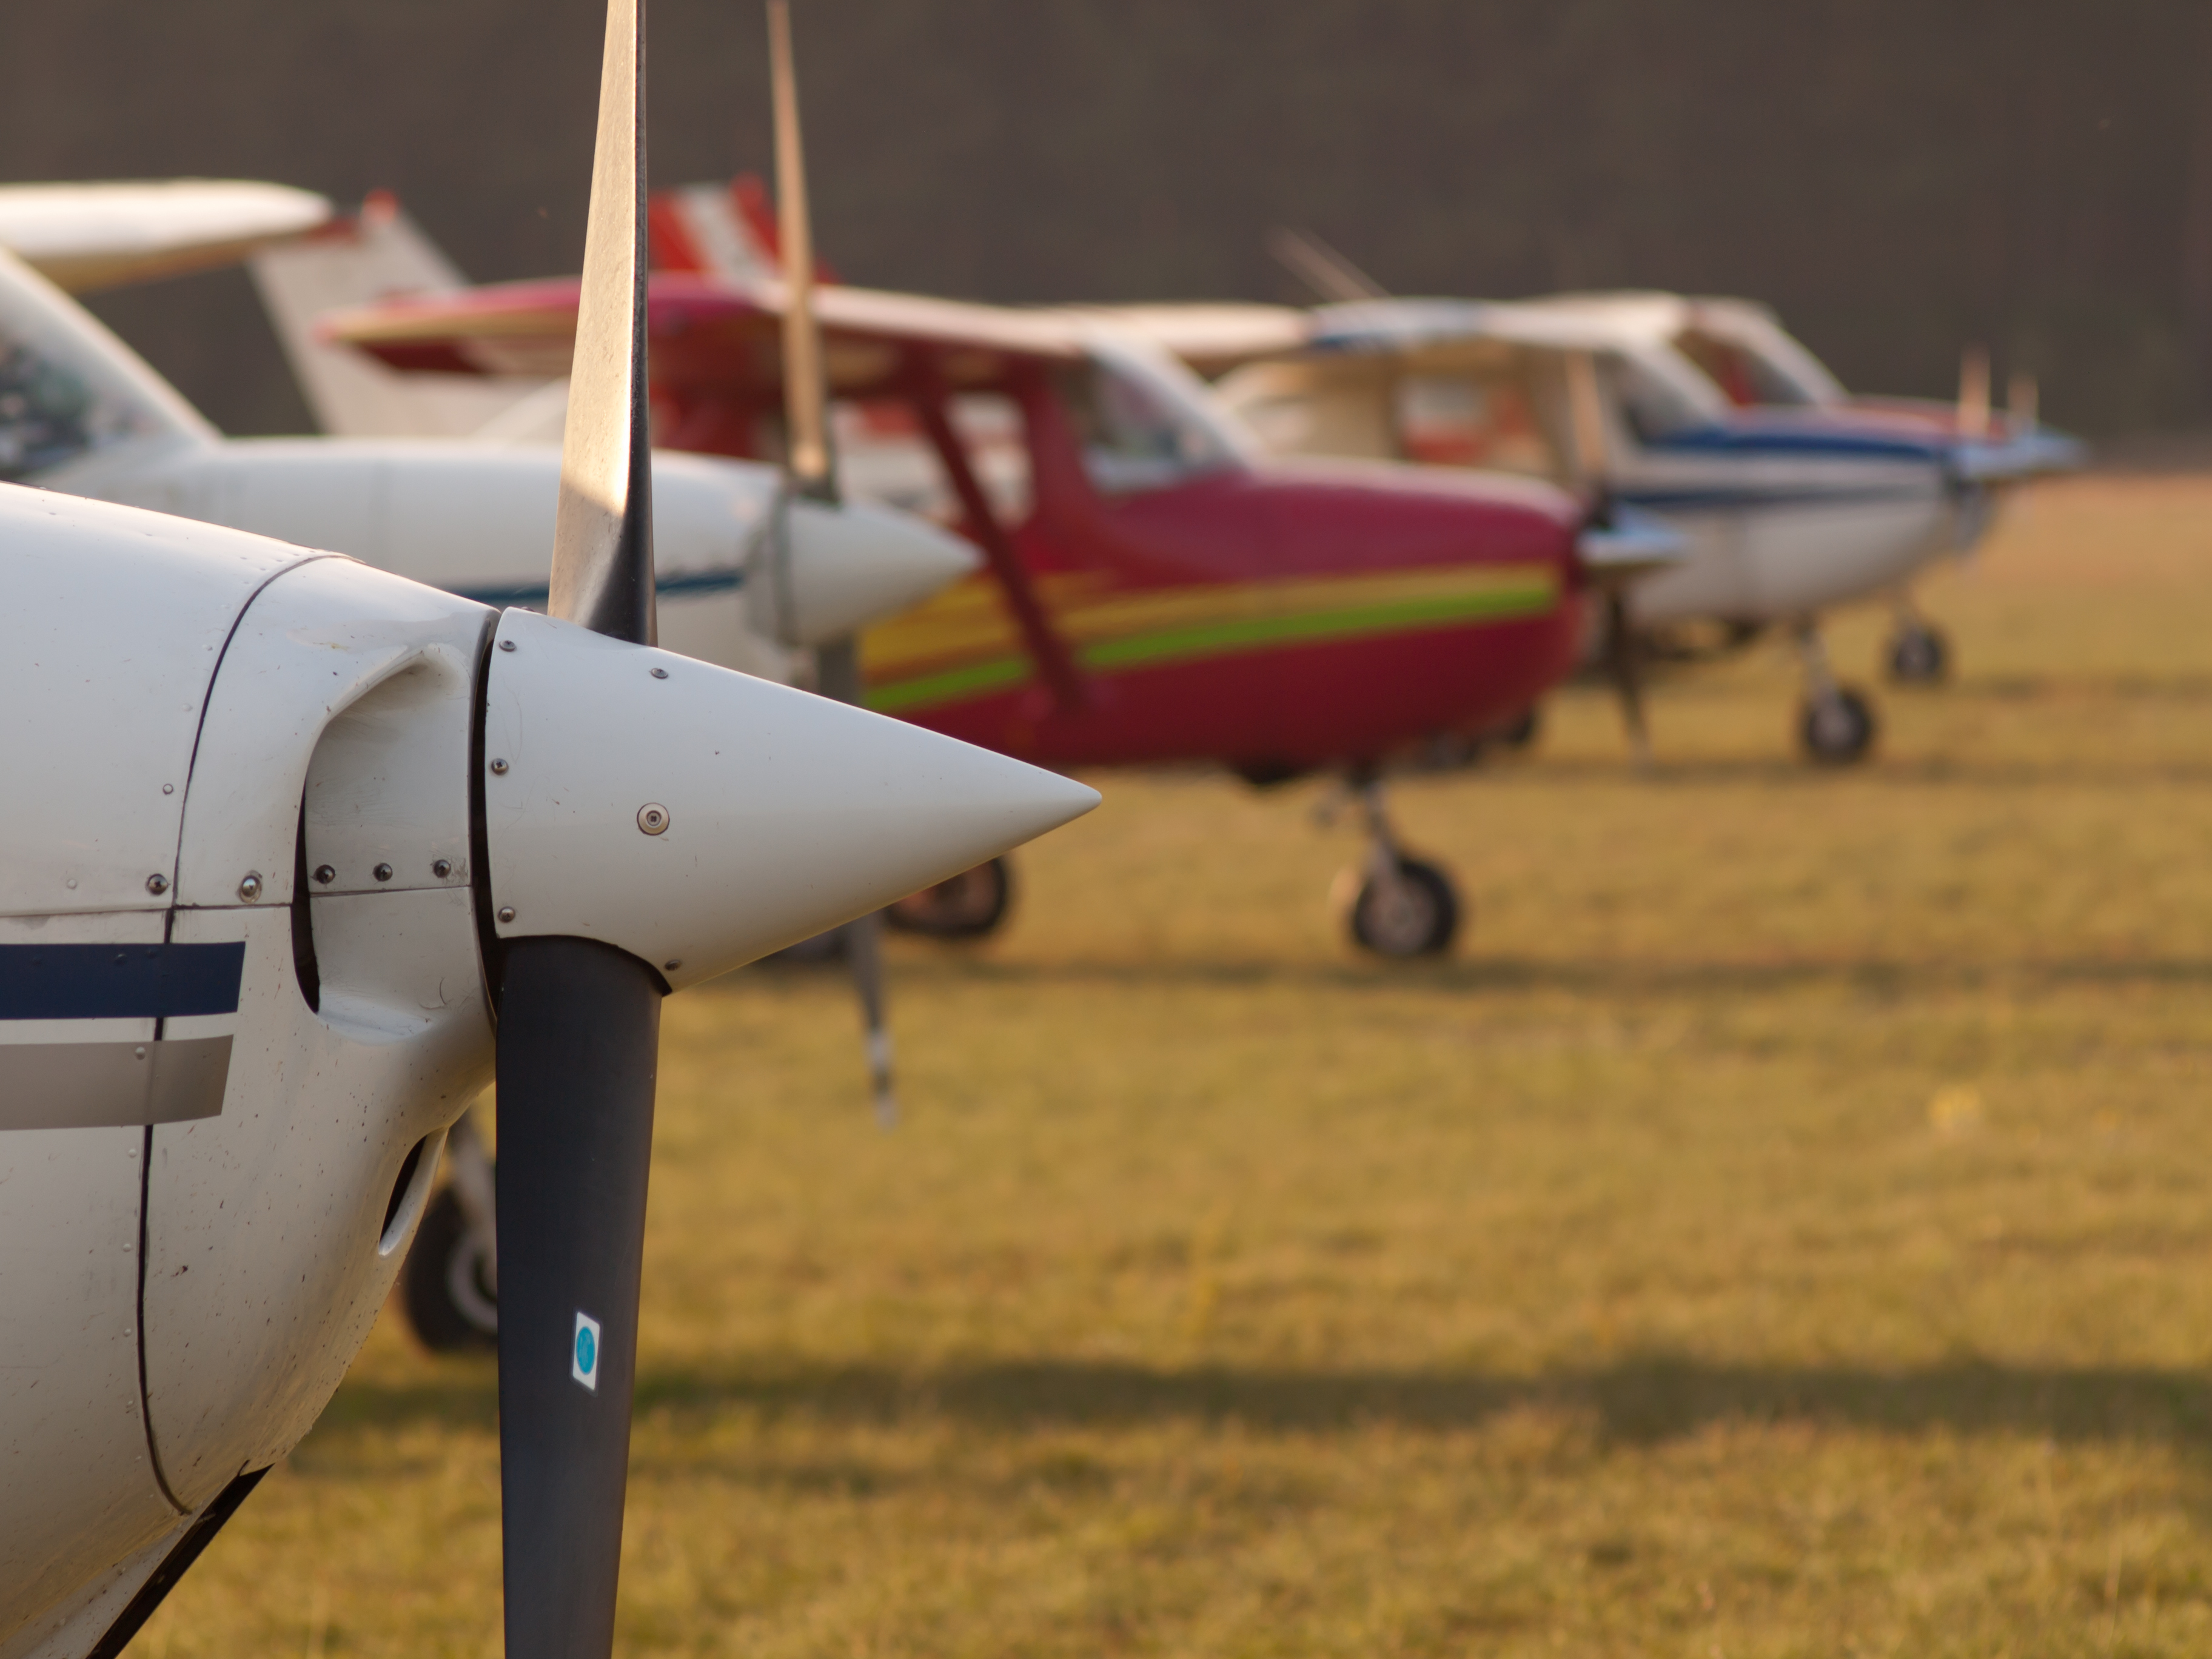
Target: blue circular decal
x=587 y=1353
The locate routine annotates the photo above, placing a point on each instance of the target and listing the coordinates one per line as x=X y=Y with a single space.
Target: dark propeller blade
x=813 y=466
x=579 y=1021
x=1593 y=462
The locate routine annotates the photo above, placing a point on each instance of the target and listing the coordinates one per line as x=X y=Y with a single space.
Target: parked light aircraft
x=296 y=853
x=1744 y=350
x=1789 y=512
x=749 y=579
x=1157 y=591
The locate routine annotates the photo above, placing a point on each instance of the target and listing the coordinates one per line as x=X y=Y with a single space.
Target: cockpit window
x=1655 y=403
x=47 y=415
x=1470 y=419
x=1746 y=378
x=1145 y=423
x=59 y=399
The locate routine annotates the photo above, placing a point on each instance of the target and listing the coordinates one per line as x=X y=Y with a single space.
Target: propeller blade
x=602 y=532
x=813 y=477
x=2020 y=397
x=579 y=1021
x=1322 y=268
x=1586 y=410
x=805 y=403
x=1974 y=392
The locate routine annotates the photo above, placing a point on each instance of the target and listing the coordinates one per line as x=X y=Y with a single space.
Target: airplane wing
x=1211 y=339
x=710 y=334
x=81 y=237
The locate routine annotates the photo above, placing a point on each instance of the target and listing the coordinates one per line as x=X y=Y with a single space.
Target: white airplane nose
x=850 y=565
x=699 y=818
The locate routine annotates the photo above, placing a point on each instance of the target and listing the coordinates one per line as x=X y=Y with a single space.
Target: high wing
x=708 y=333
x=86 y=236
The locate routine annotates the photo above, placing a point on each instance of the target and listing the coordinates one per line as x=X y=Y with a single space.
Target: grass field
x=1782 y=1230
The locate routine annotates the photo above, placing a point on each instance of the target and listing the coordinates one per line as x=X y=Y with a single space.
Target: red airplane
x=1164 y=593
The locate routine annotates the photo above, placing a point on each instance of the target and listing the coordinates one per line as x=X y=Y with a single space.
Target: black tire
x=1420 y=918
x=1520 y=731
x=442 y=1261
x=1837 y=730
x=1919 y=656
x=972 y=904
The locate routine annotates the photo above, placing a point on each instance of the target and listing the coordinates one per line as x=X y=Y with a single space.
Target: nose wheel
x=449 y=1287
x=1394 y=904
x=1836 y=725
x=1919 y=654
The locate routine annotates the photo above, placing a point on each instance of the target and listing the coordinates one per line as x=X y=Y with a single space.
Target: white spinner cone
x=850 y=564
x=699 y=818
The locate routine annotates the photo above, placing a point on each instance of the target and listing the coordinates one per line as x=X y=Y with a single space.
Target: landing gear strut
x=449 y=1287
x=1394 y=904
x=1835 y=724
x=1919 y=654
x=1623 y=665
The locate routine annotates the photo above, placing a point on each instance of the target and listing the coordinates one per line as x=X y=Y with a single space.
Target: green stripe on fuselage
x=1224 y=638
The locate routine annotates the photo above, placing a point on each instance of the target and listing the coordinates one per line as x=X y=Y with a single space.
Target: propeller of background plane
x=1594 y=458
x=813 y=466
x=1974 y=392
x=1322 y=268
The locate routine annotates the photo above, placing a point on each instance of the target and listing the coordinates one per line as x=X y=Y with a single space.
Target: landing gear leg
x=1835 y=723
x=450 y=1284
x=1394 y=904
x=1624 y=664
x=1919 y=653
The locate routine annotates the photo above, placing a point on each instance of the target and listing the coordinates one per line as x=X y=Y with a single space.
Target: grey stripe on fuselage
x=103 y=1085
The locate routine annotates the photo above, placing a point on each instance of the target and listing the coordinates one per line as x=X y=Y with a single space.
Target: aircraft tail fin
x=721 y=230
x=377 y=253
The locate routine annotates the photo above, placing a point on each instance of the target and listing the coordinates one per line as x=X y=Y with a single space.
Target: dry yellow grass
x=1783 y=1230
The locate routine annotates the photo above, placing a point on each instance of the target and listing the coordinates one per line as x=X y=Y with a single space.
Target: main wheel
x=1837 y=731
x=1919 y=655
x=446 y=1286
x=971 y=904
x=1416 y=915
x=1520 y=732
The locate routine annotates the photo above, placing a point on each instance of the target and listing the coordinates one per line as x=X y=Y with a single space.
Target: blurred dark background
x=1898 y=177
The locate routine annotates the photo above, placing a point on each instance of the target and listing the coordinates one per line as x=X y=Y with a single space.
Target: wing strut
x=1045 y=647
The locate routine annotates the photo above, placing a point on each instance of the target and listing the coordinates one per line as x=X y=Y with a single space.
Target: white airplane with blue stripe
x=1789 y=509
x=752 y=576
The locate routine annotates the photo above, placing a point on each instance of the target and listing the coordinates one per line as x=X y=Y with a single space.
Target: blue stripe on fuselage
x=1658 y=500
x=1795 y=441
x=119 y=982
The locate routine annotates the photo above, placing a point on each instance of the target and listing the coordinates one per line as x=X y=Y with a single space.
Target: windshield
x=67 y=386
x=1752 y=361
x=1145 y=422
x=1661 y=393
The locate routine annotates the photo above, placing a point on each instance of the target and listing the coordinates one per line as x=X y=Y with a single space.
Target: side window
x=1652 y=407
x=47 y=415
x=884 y=456
x=1137 y=434
x=1745 y=378
x=1470 y=420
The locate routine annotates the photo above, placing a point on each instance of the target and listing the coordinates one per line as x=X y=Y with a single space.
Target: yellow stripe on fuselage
x=964 y=641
